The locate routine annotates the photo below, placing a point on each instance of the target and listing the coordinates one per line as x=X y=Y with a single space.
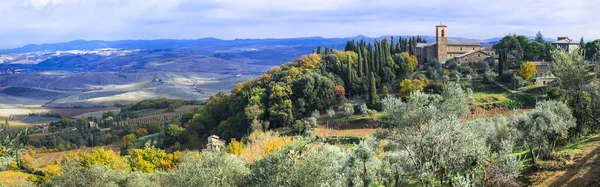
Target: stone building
x=544 y=73
x=214 y=143
x=566 y=44
x=443 y=50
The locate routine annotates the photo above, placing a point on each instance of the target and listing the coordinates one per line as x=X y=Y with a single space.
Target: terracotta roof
x=424 y=44
x=565 y=41
x=465 y=43
x=441 y=25
x=471 y=52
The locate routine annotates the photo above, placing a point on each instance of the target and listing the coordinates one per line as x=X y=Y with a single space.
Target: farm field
x=161 y=115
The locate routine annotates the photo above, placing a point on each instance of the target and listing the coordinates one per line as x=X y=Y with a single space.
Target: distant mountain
x=236 y=56
x=203 y=44
x=215 y=44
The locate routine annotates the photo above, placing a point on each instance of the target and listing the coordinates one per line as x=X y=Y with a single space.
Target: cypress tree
x=582 y=46
x=540 y=38
x=350 y=46
x=349 y=85
x=360 y=61
x=319 y=50
x=392 y=45
x=374 y=100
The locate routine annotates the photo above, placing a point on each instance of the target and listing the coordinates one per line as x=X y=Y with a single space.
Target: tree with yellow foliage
x=421 y=83
x=527 y=70
x=141 y=132
x=151 y=159
x=385 y=90
x=235 y=147
x=309 y=62
x=411 y=60
x=129 y=140
x=260 y=144
x=99 y=156
x=348 y=57
x=406 y=88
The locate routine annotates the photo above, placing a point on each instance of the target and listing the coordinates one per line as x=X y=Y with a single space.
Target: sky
x=25 y=22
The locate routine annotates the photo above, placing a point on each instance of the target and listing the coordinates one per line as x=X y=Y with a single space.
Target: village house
x=566 y=44
x=544 y=73
x=214 y=143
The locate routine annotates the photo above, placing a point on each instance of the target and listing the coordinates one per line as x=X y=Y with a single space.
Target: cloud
x=44 y=21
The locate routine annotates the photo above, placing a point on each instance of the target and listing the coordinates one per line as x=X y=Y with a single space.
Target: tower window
x=461 y=48
x=443 y=33
x=473 y=48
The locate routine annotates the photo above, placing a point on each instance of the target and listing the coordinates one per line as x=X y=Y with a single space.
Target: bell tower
x=441 y=39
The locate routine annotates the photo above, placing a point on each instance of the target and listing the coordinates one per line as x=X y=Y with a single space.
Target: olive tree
x=422 y=108
x=211 y=169
x=543 y=126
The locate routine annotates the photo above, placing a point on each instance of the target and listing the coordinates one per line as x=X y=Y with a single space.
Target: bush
x=490 y=76
x=348 y=109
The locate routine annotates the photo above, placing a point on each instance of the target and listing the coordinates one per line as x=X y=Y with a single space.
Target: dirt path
x=582 y=170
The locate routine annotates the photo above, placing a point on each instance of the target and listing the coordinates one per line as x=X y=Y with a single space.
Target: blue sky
x=48 y=21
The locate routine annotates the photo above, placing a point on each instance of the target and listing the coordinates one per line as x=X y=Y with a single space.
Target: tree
x=281 y=109
x=348 y=109
x=591 y=49
x=141 y=132
x=527 y=70
x=543 y=126
x=339 y=91
x=534 y=51
x=385 y=90
x=154 y=127
x=421 y=108
x=406 y=88
x=129 y=141
x=411 y=61
x=173 y=134
x=361 y=166
x=540 y=38
x=108 y=114
x=213 y=169
x=374 y=101
x=150 y=160
x=582 y=46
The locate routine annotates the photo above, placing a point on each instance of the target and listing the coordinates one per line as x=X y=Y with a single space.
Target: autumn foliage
x=527 y=70
x=260 y=144
x=339 y=90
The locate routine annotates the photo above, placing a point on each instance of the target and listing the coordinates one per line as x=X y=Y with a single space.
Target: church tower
x=441 y=40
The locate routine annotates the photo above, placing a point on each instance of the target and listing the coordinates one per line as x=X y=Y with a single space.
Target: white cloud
x=43 y=21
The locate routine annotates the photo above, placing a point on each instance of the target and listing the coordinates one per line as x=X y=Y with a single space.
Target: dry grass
x=489 y=113
x=575 y=165
x=325 y=132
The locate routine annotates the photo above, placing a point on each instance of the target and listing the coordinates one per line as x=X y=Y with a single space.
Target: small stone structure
x=544 y=73
x=214 y=143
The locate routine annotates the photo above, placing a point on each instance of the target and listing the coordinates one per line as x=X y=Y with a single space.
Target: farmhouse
x=443 y=50
x=544 y=73
x=214 y=143
x=566 y=44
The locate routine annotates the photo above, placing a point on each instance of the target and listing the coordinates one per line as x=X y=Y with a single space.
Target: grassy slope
x=574 y=165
